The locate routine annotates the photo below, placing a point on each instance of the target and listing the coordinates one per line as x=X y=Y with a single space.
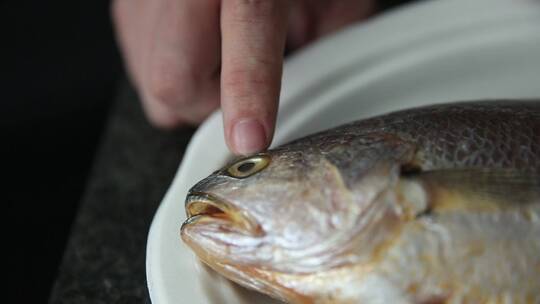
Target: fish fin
x=475 y=190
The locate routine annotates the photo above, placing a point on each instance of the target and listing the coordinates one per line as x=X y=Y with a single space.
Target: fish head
x=285 y=211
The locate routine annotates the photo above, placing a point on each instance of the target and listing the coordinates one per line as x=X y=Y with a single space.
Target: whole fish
x=439 y=204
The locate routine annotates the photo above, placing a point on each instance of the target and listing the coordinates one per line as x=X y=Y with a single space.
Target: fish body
x=439 y=204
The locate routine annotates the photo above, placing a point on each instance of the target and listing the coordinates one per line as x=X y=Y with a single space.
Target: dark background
x=59 y=68
x=59 y=74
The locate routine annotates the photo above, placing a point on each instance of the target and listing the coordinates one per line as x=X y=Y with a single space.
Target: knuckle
x=247 y=82
x=251 y=11
x=256 y=97
x=168 y=119
x=163 y=121
x=169 y=86
x=159 y=116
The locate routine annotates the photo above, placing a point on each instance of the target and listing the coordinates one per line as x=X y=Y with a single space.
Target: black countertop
x=104 y=261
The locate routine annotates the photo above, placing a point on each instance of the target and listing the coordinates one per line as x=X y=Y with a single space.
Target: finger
x=134 y=22
x=253 y=38
x=182 y=72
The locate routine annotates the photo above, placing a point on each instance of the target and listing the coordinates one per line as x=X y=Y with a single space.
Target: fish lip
x=202 y=206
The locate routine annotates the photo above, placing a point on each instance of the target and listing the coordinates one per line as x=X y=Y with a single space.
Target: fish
x=436 y=204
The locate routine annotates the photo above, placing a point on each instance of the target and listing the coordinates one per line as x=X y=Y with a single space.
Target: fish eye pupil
x=246 y=167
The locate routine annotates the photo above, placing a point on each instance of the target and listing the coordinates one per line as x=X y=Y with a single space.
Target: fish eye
x=248 y=166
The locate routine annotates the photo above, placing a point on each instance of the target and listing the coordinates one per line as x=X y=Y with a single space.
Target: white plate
x=430 y=52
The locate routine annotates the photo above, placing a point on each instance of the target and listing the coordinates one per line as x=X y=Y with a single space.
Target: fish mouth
x=206 y=208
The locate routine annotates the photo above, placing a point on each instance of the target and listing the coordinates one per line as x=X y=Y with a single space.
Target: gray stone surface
x=104 y=261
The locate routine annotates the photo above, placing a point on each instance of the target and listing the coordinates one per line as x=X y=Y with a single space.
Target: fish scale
x=438 y=204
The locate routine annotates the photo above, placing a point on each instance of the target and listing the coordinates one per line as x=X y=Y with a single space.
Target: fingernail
x=248 y=136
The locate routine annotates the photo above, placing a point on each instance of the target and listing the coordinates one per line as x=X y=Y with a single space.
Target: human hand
x=188 y=57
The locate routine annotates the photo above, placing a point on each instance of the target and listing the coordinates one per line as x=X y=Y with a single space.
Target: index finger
x=253 y=38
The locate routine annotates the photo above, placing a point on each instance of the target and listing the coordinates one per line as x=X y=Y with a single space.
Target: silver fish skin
x=438 y=204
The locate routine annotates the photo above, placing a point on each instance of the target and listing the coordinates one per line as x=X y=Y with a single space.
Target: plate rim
x=292 y=75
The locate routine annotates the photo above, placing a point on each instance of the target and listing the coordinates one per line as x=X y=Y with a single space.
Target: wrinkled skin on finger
x=187 y=58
